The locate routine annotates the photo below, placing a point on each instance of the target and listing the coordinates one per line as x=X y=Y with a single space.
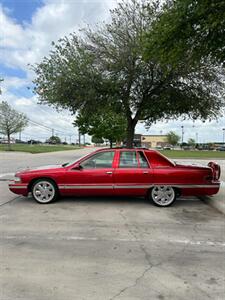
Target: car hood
x=39 y=169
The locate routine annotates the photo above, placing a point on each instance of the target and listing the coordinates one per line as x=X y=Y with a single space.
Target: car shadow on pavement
x=110 y=200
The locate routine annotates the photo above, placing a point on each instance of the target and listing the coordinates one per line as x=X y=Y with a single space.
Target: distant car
x=20 y=142
x=5 y=141
x=33 y=142
x=222 y=148
x=167 y=148
x=116 y=172
x=159 y=148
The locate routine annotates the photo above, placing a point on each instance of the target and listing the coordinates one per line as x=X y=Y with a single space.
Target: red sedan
x=128 y=172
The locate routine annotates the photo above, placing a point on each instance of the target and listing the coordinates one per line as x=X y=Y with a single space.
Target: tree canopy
x=188 y=30
x=54 y=140
x=173 y=138
x=97 y=140
x=105 y=66
x=104 y=123
x=192 y=142
x=11 y=121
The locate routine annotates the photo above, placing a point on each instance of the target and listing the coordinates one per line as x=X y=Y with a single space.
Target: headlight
x=17 y=179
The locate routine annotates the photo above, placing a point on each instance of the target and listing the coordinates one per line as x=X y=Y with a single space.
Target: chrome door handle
x=109 y=172
x=145 y=172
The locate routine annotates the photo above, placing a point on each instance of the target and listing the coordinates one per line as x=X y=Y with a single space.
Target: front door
x=94 y=177
x=133 y=175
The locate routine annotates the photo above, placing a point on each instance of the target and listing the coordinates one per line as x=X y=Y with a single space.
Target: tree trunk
x=111 y=143
x=130 y=133
x=9 y=144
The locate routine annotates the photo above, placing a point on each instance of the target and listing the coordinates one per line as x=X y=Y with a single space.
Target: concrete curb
x=217 y=202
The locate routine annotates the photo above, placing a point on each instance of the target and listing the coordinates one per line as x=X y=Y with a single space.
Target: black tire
x=44 y=191
x=162 y=196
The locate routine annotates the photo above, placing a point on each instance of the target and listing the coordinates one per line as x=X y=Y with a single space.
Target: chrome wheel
x=43 y=191
x=163 y=195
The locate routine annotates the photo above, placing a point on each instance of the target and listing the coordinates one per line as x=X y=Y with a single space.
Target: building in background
x=150 y=141
x=154 y=141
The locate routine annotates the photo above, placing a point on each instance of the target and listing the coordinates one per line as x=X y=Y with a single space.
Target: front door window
x=99 y=161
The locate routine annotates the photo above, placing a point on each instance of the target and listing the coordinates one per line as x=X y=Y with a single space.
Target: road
x=106 y=248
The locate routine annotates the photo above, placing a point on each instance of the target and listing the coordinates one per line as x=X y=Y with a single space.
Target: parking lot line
x=83 y=238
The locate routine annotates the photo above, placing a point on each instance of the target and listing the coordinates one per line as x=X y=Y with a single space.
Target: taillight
x=215 y=169
x=209 y=178
x=217 y=172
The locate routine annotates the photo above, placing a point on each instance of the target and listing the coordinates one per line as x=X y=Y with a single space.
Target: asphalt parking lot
x=106 y=248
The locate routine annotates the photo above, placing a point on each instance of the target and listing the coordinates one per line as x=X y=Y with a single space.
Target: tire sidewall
x=56 y=194
x=157 y=204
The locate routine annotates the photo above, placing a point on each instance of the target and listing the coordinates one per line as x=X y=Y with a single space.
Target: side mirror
x=77 y=167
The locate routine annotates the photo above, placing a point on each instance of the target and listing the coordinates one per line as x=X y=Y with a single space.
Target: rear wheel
x=162 y=195
x=44 y=191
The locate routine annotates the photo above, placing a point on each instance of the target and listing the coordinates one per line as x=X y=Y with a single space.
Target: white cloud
x=28 y=43
x=23 y=102
x=13 y=82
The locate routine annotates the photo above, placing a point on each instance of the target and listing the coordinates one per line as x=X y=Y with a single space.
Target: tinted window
x=100 y=160
x=142 y=160
x=128 y=159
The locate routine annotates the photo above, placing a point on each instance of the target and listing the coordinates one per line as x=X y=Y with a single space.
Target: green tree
x=97 y=140
x=11 y=121
x=54 y=140
x=188 y=31
x=103 y=123
x=106 y=67
x=191 y=142
x=173 y=138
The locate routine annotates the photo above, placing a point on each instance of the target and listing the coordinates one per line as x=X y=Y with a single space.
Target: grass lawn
x=37 y=148
x=194 y=154
x=168 y=153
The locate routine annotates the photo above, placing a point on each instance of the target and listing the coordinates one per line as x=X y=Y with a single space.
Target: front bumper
x=19 y=188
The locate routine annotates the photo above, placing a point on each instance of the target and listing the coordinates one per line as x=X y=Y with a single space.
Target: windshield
x=68 y=164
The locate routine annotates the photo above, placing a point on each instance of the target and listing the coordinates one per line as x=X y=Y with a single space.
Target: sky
x=27 y=28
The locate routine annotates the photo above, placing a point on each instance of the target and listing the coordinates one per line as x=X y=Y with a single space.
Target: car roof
x=126 y=149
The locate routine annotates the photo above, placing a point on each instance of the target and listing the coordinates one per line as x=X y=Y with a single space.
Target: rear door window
x=142 y=160
x=128 y=159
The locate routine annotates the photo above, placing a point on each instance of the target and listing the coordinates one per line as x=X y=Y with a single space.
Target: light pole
x=223 y=135
x=196 y=136
x=182 y=135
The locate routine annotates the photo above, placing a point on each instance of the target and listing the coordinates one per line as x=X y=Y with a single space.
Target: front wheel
x=162 y=195
x=44 y=191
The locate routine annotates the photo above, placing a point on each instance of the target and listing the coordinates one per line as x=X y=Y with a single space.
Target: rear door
x=133 y=174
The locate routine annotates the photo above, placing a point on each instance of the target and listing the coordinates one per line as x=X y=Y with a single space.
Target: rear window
x=156 y=159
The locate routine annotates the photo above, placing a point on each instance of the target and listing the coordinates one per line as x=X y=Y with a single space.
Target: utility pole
x=79 y=136
x=52 y=132
x=196 y=135
x=182 y=135
x=223 y=135
x=70 y=139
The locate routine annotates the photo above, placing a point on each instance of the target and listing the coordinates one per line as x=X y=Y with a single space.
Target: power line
x=48 y=113
x=51 y=129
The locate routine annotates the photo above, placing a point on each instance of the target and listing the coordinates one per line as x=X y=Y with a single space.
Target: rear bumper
x=201 y=189
x=19 y=188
